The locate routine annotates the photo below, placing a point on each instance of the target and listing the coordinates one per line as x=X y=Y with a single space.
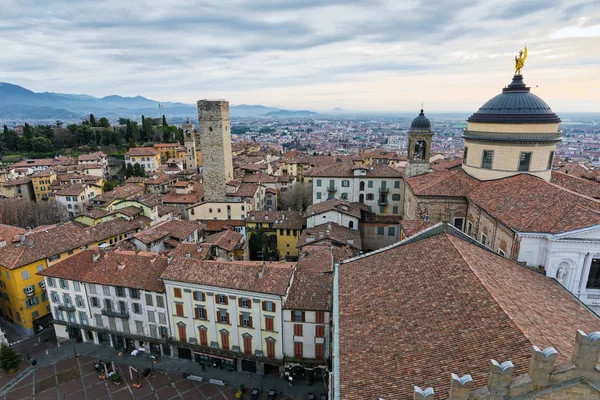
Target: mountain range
x=19 y=103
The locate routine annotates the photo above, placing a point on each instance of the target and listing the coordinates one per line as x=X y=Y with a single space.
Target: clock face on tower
x=188 y=132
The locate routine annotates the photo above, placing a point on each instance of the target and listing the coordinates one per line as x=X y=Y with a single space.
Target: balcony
x=384 y=190
x=382 y=202
x=116 y=314
x=68 y=308
x=332 y=189
x=100 y=329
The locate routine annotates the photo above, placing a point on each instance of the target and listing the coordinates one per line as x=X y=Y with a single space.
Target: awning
x=214 y=356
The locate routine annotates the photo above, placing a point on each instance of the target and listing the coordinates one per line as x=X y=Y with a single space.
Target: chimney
x=188 y=254
x=96 y=257
x=262 y=270
x=169 y=259
x=121 y=266
x=22 y=238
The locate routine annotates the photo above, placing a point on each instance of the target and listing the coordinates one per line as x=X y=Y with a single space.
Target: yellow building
x=239 y=327
x=170 y=150
x=24 y=301
x=282 y=228
x=147 y=157
x=41 y=185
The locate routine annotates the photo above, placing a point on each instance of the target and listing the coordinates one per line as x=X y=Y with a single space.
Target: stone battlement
x=576 y=379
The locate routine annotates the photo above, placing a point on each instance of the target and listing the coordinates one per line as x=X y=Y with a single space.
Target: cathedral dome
x=515 y=105
x=421 y=123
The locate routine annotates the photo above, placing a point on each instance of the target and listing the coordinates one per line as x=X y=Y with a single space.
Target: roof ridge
x=512 y=301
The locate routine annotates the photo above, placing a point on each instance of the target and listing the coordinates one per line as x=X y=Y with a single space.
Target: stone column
x=234 y=318
x=541 y=366
x=500 y=379
x=212 y=318
x=189 y=310
x=257 y=319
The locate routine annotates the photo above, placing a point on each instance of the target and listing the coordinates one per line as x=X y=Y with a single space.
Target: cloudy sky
x=380 y=55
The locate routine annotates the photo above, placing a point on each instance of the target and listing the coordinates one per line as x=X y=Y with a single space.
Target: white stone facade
x=383 y=196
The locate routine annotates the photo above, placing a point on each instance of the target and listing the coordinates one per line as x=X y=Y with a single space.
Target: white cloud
x=383 y=54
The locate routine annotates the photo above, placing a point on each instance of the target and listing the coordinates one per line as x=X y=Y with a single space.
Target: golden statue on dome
x=520 y=61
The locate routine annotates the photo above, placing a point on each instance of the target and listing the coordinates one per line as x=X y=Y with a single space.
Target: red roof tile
x=438 y=305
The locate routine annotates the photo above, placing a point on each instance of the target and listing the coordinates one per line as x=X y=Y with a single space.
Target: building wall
x=42 y=188
x=150 y=163
x=377 y=235
x=14 y=305
x=332 y=216
x=308 y=338
x=352 y=192
x=213 y=326
x=219 y=211
x=438 y=209
x=215 y=144
x=78 y=299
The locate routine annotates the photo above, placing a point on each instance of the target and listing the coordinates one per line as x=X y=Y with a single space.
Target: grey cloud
x=524 y=8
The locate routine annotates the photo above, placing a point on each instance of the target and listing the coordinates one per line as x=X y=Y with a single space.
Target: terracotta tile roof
x=441 y=165
x=195 y=196
x=124 y=192
x=443 y=183
x=9 y=232
x=245 y=190
x=419 y=320
x=227 y=239
x=315 y=258
x=414 y=226
x=216 y=225
x=331 y=233
x=129 y=269
x=60 y=238
x=526 y=203
x=310 y=291
x=278 y=219
x=182 y=184
x=142 y=151
x=197 y=251
x=173 y=229
x=149 y=199
x=159 y=179
x=346 y=169
x=582 y=186
x=342 y=206
x=135 y=179
x=91 y=156
x=72 y=190
x=240 y=275
x=259 y=178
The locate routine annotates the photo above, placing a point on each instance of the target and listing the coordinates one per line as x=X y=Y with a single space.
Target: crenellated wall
x=576 y=379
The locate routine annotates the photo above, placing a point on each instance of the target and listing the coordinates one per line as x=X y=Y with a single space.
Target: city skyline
x=387 y=56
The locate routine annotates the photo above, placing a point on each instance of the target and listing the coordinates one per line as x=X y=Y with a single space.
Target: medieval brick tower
x=215 y=144
x=419 y=146
x=189 y=140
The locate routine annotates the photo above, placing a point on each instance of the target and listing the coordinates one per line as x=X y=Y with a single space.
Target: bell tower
x=419 y=146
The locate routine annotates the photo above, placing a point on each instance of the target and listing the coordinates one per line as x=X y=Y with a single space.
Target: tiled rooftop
x=437 y=305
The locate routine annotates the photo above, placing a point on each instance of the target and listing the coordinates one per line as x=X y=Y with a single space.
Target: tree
x=27 y=131
x=257 y=243
x=110 y=185
x=9 y=359
x=129 y=171
x=58 y=123
x=129 y=131
x=104 y=122
x=123 y=121
x=297 y=198
x=164 y=121
x=41 y=145
x=92 y=120
x=106 y=136
x=138 y=170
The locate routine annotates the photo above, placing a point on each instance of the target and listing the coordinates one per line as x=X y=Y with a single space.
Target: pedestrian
x=27 y=356
x=203 y=367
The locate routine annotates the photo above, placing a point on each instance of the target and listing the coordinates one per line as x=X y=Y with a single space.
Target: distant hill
x=17 y=102
x=286 y=113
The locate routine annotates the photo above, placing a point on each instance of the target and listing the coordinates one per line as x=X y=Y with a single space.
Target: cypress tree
x=9 y=359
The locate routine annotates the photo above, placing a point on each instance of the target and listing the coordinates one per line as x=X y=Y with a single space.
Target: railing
x=117 y=314
x=102 y=329
x=384 y=190
x=382 y=202
x=332 y=188
x=64 y=307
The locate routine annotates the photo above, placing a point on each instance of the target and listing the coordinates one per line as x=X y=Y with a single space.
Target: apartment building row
x=237 y=315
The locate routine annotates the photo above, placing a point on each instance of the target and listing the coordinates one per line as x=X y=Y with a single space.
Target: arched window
x=361 y=198
x=351 y=224
x=362 y=185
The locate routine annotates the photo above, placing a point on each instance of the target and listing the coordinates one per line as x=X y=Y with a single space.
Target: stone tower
x=189 y=140
x=419 y=146
x=514 y=132
x=215 y=144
